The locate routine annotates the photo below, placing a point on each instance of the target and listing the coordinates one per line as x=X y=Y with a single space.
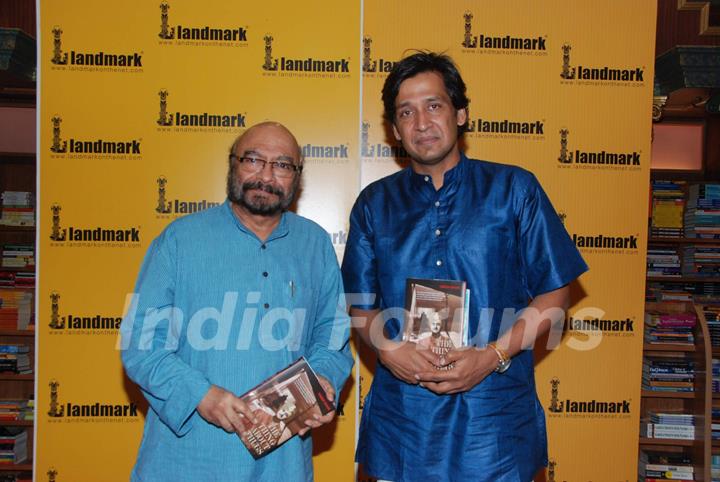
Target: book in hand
x=281 y=404
x=436 y=314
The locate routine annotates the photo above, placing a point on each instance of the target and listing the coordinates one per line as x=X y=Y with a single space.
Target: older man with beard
x=226 y=298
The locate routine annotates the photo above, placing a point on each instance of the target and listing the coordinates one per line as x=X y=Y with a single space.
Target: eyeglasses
x=279 y=168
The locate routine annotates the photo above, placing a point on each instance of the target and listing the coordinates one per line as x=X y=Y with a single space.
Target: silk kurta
x=492 y=226
x=242 y=309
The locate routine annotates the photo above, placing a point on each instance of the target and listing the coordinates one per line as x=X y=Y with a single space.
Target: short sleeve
x=549 y=256
x=359 y=267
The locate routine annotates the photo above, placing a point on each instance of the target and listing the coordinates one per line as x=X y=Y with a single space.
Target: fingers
x=317 y=421
x=436 y=376
x=327 y=386
x=443 y=388
x=427 y=355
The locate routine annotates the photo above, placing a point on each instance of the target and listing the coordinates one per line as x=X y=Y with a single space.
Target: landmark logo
x=73 y=412
x=310 y=67
x=270 y=64
x=179 y=121
x=98 y=148
x=326 y=153
x=56 y=323
x=571 y=408
x=506 y=44
x=94 y=324
x=602 y=243
x=552 y=465
x=602 y=75
x=55 y=410
x=204 y=35
x=58 y=145
x=379 y=151
x=93 y=237
x=608 y=326
x=555 y=403
x=93 y=61
x=58 y=58
x=506 y=129
x=52 y=474
x=597 y=160
x=370 y=66
x=57 y=233
x=166 y=208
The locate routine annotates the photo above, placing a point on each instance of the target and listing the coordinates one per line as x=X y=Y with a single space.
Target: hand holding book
x=470 y=366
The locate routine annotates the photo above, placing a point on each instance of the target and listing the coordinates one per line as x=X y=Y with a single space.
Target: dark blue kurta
x=492 y=226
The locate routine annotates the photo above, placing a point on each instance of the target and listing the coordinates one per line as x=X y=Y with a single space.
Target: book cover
x=436 y=314
x=281 y=404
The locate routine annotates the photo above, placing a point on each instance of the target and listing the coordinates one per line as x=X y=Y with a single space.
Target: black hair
x=424 y=61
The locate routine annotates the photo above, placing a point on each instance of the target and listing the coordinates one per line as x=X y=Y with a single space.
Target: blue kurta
x=492 y=226
x=242 y=311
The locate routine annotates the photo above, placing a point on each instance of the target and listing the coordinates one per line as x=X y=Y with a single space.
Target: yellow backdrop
x=138 y=106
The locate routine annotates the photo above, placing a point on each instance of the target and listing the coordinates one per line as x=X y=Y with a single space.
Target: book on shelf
x=13 y=445
x=281 y=404
x=436 y=314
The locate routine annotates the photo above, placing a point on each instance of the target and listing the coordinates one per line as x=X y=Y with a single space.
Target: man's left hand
x=318 y=420
x=469 y=365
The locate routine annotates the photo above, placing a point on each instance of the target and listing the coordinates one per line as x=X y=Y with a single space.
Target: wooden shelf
x=18 y=158
x=18 y=270
x=15 y=377
x=668 y=347
x=667 y=441
x=685 y=279
x=17 y=332
x=683 y=241
x=654 y=394
x=24 y=467
x=16 y=423
x=17 y=229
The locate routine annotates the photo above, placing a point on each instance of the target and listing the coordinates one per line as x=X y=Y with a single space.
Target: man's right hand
x=224 y=409
x=405 y=360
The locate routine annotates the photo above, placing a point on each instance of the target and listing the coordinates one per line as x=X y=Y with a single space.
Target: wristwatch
x=503 y=358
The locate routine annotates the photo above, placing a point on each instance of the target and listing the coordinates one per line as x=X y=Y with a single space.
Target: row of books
x=15 y=358
x=702 y=213
x=668 y=373
x=17 y=409
x=16 y=309
x=13 y=445
x=663 y=261
x=18 y=256
x=665 y=466
x=715 y=468
x=679 y=426
x=18 y=208
x=668 y=204
x=670 y=328
x=20 y=279
x=701 y=261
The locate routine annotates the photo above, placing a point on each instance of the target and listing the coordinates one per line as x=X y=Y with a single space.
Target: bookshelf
x=682 y=277
x=18 y=173
x=698 y=402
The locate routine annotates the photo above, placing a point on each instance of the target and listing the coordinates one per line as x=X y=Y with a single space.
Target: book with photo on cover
x=281 y=404
x=436 y=314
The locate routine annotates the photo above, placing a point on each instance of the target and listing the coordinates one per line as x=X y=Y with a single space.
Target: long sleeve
x=328 y=349
x=150 y=340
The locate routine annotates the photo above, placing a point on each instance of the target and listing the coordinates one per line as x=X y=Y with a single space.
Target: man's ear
x=395 y=132
x=462 y=116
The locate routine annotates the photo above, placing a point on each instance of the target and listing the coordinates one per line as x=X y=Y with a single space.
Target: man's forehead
x=261 y=139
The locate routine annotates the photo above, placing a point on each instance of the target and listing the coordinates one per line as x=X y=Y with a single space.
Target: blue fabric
x=499 y=233
x=196 y=265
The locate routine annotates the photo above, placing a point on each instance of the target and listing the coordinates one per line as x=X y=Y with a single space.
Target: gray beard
x=238 y=194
